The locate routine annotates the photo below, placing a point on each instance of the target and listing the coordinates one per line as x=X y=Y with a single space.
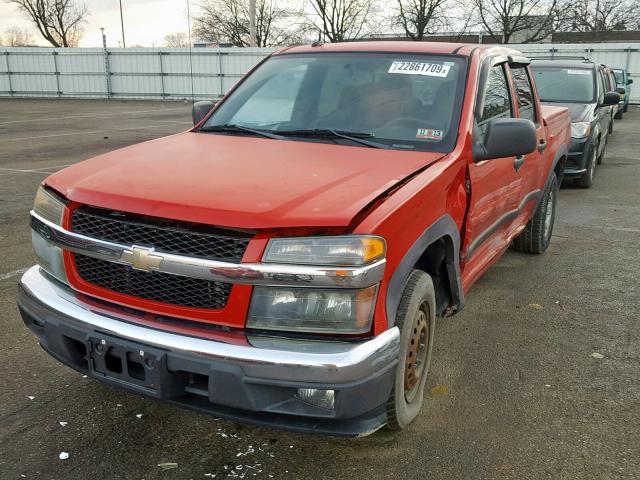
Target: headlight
x=49 y=256
x=580 y=129
x=312 y=310
x=336 y=250
x=48 y=206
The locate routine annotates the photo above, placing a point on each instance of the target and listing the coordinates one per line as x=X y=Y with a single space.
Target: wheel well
x=434 y=262
x=559 y=168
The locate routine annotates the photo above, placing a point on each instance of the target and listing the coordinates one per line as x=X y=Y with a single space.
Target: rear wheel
x=416 y=321
x=586 y=180
x=618 y=115
x=536 y=236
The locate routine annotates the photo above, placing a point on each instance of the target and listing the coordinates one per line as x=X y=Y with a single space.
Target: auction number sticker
x=420 y=68
x=578 y=72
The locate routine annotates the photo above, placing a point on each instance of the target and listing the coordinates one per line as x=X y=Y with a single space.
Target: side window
x=497 y=98
x=601 y=86
x=525 y=93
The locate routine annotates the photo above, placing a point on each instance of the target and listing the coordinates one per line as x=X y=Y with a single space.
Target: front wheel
x=536 y=236
x=416 y=320
x=586 y=180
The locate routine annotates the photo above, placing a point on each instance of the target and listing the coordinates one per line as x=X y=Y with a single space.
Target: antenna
x=193 y=98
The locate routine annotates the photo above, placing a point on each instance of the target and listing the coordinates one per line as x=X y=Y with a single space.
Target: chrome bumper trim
x=275 y=358
x=245 y=273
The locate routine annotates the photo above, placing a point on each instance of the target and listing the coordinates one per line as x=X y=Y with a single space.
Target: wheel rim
x=548 y=218
x=416 y=360
x=592 y=165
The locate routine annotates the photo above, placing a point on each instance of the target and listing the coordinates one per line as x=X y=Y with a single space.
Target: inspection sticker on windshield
x=420 y=68
x=578 y=72
x=429 y=134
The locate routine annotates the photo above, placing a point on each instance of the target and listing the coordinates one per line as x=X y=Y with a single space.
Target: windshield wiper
x=357 y=137
x=232 y=128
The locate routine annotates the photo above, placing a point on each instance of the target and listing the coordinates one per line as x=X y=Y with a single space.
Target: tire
x=586 y=180
x=618 y=115
x=626 y=107
x=536 y=236
x=610 y=130
x=601 y=156
x=416 y=320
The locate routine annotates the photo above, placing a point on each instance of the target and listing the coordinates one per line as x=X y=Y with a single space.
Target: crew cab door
x=534 y=168
x=495 y=185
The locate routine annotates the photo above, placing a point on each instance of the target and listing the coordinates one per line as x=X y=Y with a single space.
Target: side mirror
x=629 y=81
x=611 y=98
x=200 y=110
x=621 y=90
x=506 y=137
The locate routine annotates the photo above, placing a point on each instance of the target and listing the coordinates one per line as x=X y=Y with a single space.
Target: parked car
x=583 y=87
x=623 y=82
x=611 y=86
x=284 y=261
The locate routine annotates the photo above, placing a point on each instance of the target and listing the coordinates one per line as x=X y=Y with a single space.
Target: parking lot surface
x=538 y=377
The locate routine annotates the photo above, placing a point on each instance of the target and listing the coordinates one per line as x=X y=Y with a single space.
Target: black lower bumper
x=210 y=385
x=577 y=158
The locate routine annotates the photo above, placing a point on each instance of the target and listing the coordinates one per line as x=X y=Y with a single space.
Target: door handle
x=518 y=162
x=542 y=145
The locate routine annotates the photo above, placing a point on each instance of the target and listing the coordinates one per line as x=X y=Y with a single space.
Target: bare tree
x=523 y=21
x=340 y=20
x=420 y=17
x=17 y=37
x=228 y=21
x=176 y=40
x=601 y=16
x=60 y=22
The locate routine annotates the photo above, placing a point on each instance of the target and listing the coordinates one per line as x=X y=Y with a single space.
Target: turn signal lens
x=330 y=250
x=48 y=206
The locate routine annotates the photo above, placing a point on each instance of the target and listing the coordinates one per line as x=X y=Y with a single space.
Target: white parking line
x=115 y=114
x=144 y=127
x=8 y=275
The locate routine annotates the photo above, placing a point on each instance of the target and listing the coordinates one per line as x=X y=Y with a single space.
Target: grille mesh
x=161 y=287
x=168 y=239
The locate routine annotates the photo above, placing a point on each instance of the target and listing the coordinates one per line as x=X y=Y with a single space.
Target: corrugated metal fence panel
x=158 y=73
x=615 y=55
x=165 y=73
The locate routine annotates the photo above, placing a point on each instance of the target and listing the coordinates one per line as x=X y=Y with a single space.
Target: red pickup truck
x=284 y=261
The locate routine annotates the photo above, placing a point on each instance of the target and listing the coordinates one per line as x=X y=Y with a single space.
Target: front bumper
x=576 y=165
x=255 y=380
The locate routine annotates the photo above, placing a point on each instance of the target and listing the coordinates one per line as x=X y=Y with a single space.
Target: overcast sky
x=146 y=22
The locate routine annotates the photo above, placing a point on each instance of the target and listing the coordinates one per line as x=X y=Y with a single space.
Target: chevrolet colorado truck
x=284 y=261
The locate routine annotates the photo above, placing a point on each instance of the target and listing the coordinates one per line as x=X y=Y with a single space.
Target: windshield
x=619 y=77
x=403 y=101
x=563 y=84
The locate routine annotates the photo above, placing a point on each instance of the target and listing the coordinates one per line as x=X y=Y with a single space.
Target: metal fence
x=153 y=73
x=172 y=73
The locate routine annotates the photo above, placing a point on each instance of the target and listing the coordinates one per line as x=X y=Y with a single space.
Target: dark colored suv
x=580 y=85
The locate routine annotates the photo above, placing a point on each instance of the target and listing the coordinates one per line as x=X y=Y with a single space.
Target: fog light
x=318 y=398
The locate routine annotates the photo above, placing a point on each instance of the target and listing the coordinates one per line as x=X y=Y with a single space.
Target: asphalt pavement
x=538 y=377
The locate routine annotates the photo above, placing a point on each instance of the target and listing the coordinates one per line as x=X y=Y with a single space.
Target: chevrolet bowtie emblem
x=142 y=258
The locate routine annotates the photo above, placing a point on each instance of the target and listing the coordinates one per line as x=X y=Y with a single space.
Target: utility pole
x=124 y=45
x=252 y=23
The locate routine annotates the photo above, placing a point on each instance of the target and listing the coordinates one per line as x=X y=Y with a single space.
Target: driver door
x=495 y=185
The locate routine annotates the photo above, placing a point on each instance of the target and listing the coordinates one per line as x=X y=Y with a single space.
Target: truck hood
x=239 y=182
